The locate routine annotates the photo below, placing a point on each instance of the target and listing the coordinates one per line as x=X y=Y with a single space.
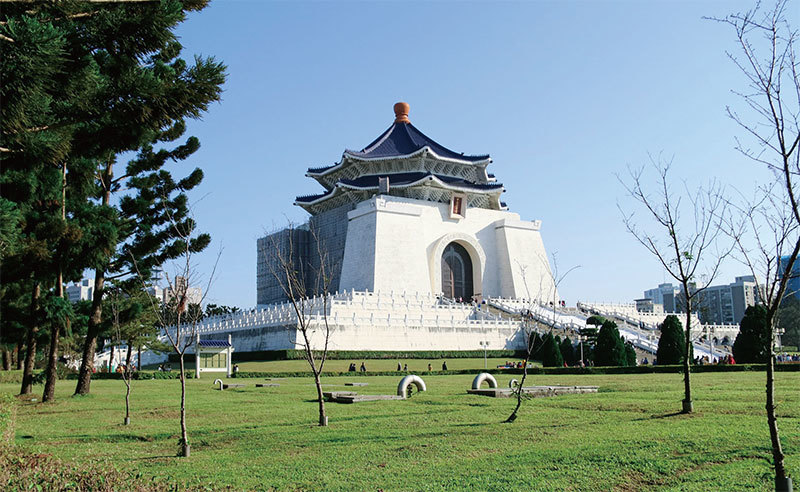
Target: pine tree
x=610 y=349
x=83 y=83
x=752 y=342
x=551 y=355
x=630 y=355
x=671 y=343
x=567 y=351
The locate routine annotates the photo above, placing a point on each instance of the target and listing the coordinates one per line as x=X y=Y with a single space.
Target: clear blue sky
x=563 y=95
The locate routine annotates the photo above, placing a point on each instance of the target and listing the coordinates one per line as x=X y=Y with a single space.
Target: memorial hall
x=406 y=214
x=421 y=253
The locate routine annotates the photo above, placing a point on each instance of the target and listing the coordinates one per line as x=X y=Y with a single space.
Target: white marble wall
x=395 y=243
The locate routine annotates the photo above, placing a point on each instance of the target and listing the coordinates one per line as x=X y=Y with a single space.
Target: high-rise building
x=665 y=294
x=81 y=291
x=194 y=295
x=726 y=304
x=717 y=304
x=793 y=286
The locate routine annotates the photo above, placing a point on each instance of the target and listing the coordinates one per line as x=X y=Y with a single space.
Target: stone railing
x=360 y=308
x=541 y=313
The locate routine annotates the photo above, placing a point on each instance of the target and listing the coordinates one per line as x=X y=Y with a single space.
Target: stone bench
x=355 y=398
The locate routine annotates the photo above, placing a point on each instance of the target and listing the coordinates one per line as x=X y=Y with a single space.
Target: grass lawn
x=627 y=437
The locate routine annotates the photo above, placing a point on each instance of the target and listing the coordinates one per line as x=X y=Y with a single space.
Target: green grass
x=626 y=437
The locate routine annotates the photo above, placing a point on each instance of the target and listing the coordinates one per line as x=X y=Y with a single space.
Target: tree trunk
x=323 y=419
x=777 y=450
x=96 y=316
x=52 y=359
x=138 y=357
x=6 y=359
x=90 y=344
x=521 y=384
x=55 y=329
x=30 y=355
x=687 y=404
x=126 y=376
x=185 y=451
x=111 y=360
x=18 y=355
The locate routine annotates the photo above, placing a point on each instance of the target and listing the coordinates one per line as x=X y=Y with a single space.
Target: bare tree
x=770 y=224
x=115 y=303
x=686 y=246
x=553 y=279
x=305 y=281
x=180 y=322
x=132 y=324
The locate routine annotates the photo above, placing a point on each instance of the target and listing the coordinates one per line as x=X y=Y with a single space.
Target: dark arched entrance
x=457 y=272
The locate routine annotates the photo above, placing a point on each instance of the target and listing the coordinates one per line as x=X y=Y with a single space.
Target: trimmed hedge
x=538 y=370
x=139 y=375
x=268 y=355
x=146 y=375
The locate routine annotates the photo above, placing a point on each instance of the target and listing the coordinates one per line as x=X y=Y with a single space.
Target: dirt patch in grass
x=636 y=481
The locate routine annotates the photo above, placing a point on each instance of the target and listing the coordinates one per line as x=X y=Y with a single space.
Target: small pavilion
x=213 y=356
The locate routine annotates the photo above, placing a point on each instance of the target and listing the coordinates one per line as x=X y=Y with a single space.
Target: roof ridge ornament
x=401 y=112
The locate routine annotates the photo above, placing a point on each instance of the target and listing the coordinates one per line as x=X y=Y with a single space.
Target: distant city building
x=725 y=304
x=665 y=295
x=194 y=295
x=793 y=286
x=717 y=304
x=647 y=305
x=81 y=291
x=156 y=292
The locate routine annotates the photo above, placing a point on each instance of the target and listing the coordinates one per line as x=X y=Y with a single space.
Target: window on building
x=457 y=206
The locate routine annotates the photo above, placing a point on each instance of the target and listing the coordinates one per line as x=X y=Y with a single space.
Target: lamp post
x=778 y=335
x=485 y=345
x=709 y=334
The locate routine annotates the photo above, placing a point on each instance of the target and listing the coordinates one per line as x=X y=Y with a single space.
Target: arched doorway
x=457 y=272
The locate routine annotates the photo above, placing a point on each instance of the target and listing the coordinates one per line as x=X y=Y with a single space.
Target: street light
x=710 y=334
x=778 y=335
x=485 y=345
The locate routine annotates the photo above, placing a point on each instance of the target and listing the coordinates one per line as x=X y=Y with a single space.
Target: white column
x=230 y=353
x=196 y=357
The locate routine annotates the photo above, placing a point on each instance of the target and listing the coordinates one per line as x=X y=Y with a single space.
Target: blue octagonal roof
x=402 y=139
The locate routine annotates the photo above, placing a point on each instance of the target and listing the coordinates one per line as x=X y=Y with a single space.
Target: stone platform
x=352 y=397
x=534 y=391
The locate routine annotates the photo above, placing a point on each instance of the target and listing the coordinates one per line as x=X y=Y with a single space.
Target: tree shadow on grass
x=157 y=457
x=662 y=416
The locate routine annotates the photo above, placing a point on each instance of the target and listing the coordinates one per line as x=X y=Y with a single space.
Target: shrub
x=630 y=355
x=551 y=355
x=752 y=342
x=671 y=344
x=568 y=351
x=610 y=349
